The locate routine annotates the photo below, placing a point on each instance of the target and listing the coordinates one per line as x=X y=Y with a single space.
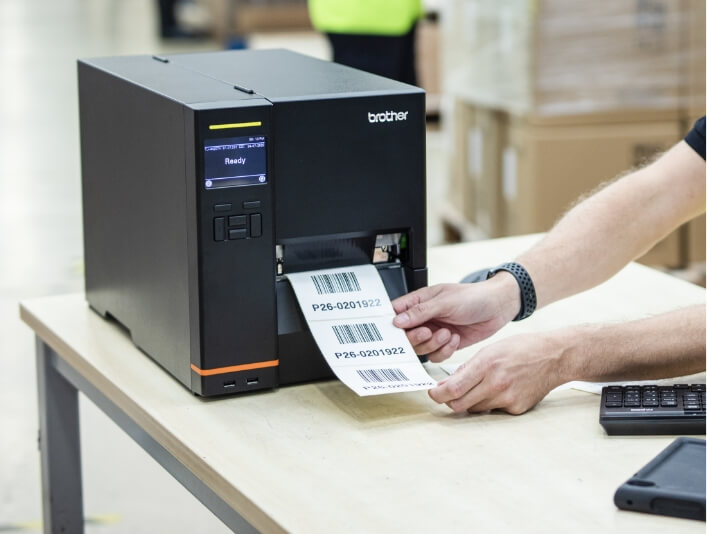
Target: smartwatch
x=528 y=299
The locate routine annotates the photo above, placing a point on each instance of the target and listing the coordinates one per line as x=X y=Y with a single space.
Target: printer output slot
x=329 y=252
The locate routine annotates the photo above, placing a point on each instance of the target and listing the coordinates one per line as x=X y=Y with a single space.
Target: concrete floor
x=41 y=251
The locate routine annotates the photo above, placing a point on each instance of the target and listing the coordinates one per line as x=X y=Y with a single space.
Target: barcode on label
x=357 y=333
x=326 y=284
x=382 y=375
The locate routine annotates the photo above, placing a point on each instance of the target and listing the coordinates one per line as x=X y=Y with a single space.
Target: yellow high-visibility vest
x=367 y=17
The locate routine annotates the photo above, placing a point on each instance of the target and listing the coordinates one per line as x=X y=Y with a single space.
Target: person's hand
x=512 y=375
x=443 y=318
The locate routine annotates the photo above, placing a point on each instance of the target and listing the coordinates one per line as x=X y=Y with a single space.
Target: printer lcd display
x=234 y=161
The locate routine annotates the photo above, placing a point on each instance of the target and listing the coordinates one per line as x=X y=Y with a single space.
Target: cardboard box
x=687 y=244
x=234 y=17
x=556 y=57
x=696 y=61
x=479 y=142
x=546 y=168
x=476 y=191
x=631 y=55
x=427 y=59
x=484 y=144
x=696 y=239
x=669 y=252
x=285 y=16
x=460 y=122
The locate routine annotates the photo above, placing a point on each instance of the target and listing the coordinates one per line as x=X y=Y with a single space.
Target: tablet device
x=673 y=483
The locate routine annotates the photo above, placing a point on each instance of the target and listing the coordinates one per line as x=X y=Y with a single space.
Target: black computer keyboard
x=646 y=410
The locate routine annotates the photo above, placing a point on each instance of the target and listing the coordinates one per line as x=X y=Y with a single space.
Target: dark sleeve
x=696 y=137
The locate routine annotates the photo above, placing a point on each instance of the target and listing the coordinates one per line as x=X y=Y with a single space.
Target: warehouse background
x=530 y=104
x=547 y=99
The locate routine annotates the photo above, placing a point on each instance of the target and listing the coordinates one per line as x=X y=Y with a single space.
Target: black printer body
x=208 y=177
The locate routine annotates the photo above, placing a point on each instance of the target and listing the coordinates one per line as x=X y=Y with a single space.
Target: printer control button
x=256 y=225
x=251 y=204
x=237 y=220
x=222 y=207
x=237 y=234
x=219 y=229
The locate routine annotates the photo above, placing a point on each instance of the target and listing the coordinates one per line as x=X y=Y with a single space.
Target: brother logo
x=387 y=116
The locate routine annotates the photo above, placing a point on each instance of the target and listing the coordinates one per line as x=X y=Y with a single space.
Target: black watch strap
x=528 y=300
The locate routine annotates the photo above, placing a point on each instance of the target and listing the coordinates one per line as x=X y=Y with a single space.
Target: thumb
x=418 y=314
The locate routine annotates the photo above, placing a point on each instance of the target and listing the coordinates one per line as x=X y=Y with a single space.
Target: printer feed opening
x=321 y=252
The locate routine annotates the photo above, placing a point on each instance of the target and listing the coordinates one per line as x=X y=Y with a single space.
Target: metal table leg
x=59 y=443
x=59 y=384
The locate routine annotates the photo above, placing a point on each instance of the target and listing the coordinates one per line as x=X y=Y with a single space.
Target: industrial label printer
x=207 y=177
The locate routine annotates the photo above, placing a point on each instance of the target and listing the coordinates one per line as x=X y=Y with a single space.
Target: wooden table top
x=317 y=458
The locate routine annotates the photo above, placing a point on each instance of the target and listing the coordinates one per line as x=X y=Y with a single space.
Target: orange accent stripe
x=234 y=368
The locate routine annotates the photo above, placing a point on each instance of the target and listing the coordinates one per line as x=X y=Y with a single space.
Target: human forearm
x=587 y=246
x=515 y=373
x=601 y=234
x=666 y=345
x=590 y=244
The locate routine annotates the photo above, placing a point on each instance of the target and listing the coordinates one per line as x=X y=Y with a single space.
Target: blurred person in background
x=170 y=28
x=376 y=36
